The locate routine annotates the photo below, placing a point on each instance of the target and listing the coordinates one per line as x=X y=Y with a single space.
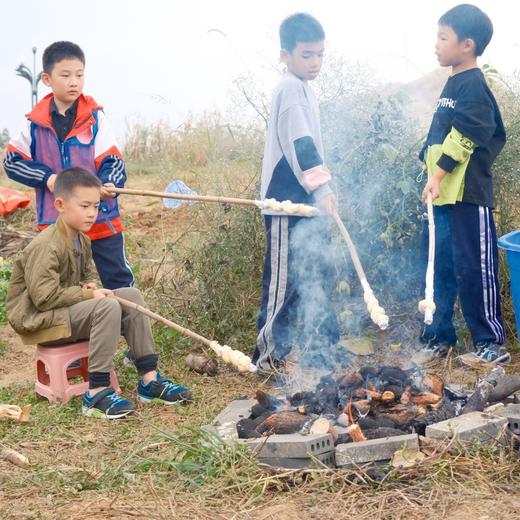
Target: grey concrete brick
x=512 y=414
x=234 y=411
x=318 y=461
x=374 y=450
x=468 y=427
x=292 y=445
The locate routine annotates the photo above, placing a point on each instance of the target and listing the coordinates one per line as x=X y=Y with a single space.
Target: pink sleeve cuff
x=315 y=177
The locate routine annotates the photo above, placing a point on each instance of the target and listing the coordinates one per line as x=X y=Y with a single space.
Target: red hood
x=41 y=113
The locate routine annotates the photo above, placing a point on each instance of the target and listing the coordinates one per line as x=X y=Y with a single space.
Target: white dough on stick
x=288 y=207
x=233 y=357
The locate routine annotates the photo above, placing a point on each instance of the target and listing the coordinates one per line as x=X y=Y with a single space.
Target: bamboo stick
x=377 y=313
x=285 y=207
x=233 y=357
x=184 y=196
x=427 y=306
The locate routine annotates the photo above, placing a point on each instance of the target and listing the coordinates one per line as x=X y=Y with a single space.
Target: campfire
x=354 y=405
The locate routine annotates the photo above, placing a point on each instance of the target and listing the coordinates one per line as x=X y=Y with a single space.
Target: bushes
x=5 y=275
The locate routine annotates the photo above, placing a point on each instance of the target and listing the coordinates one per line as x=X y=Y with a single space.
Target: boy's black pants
x=111 y=263
x=298 y=282
x=466 y=264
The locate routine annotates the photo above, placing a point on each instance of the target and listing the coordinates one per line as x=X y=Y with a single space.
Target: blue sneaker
x=106 y=405
x=162 y=391
x=492 y=353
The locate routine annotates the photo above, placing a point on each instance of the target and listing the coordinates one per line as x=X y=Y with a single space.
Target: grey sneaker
x=492 y=353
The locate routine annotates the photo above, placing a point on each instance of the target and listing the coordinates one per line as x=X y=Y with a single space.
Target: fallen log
x=505 y=387
x=478 y=400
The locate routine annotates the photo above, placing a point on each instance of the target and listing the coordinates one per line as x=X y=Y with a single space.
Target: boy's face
x=66 y=80
x=449 y=50
x=305 y=60
x=80 y=208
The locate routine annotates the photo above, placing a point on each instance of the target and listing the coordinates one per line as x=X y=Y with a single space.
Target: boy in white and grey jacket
x=298 y=271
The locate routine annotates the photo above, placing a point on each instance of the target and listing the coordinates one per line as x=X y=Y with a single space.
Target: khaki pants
x=100 y=320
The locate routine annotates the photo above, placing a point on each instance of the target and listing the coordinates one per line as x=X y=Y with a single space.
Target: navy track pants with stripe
x=111 y=263
x=298 y=281
x=466 y=264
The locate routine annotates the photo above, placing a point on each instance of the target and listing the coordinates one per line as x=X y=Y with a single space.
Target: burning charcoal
x=246 y=429
x=327 y=394
x=382 y=432
x=425 y=398
x=370 y=423
x=394 y=375
x=300 y=398
x=282 y=422
x=405 y=396
x=268 y=401
x=257 y=410
x=433 y=383
x=349 y=379
x=446 y=411
x=362 y=406
x=369 y=372
x=397 y=390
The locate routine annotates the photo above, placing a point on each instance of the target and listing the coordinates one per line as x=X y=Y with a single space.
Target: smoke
x=372 y=133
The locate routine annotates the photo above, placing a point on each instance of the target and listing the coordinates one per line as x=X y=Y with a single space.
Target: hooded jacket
x=36 y=153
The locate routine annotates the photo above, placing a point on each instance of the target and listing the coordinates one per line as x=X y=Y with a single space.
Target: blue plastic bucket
x=511 y=244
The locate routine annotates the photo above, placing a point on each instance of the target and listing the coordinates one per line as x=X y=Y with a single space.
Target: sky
x=167 y=59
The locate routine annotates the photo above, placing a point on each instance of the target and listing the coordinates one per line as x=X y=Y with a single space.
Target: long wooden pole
x=233 y=357
x=351 y=247
x=158 y=317
x=427 y=306
x=377 y=313
x=182 y=196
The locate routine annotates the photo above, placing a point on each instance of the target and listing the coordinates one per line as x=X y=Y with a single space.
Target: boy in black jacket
x=465 y=137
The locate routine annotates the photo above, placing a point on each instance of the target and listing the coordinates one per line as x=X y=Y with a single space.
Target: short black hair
x=468 y=21
x=300 y=27
x=58 y=51
x=72 y=178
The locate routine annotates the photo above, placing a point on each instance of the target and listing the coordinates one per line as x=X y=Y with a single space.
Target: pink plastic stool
x=53 y=374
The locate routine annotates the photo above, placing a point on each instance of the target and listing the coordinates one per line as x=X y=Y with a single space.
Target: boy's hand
x=328 y=204
x=50 y=182
x=433 y=185
x=102 y=293
x=105 y=194
x=90 y=285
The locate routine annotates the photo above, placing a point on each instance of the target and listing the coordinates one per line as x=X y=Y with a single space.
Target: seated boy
x=52 y=299
x=68 y=129
x=466 y=135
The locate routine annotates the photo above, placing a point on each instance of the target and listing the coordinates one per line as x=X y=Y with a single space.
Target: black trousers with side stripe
x=298 y=282
x=466 y=264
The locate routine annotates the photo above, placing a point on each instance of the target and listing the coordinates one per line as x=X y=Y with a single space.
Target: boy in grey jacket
x=298 y=271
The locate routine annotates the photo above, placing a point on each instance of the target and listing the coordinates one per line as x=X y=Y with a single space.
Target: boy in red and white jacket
x=68 y=129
